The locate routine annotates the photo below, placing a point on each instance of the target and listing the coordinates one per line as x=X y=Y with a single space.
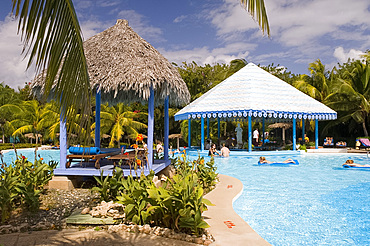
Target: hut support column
x=97 y=118
x=263 y=131
x=63 y=141
x=316 y=134
x=189 y=133
x=218 y=130
x=294 y=135
x=150 y=128
x=249 y=133
x=166 y=128
x=207 y=128
x=303 y=140
x=202 y=134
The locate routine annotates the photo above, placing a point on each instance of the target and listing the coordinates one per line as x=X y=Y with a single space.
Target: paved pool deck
x=227 y=227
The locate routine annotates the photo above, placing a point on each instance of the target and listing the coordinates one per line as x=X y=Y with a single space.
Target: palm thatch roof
x=281 y=125
x=125 y=66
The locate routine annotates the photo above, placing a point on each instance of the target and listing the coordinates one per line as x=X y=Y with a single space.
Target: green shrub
x=21 y=184
x=177 y=204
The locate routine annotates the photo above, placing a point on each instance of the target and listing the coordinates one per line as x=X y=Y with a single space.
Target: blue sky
x=216 y=31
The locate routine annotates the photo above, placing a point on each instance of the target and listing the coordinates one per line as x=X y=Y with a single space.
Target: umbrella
x=178 y=136
x=282 y=125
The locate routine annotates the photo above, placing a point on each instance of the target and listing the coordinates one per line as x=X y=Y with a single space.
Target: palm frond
x=52 y=37
x=256 y=8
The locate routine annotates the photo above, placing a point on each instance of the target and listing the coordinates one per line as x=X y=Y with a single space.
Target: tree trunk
x=365 y=130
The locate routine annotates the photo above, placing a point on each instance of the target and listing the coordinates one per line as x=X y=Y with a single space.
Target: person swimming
x=263 y=160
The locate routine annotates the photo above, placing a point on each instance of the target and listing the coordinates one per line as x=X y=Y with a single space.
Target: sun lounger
x=129 y=156
x=365 y=143
x=328 y=142
x=89 y=153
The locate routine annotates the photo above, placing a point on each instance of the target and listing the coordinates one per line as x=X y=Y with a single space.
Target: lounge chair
x=87 y=154
x=129 y=156
x=328 y=142
x=341 y=144
x=365 y=143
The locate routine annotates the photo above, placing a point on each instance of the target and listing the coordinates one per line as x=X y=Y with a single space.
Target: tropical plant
x=118 y=120
x=351 y=94
x=29 y=119
x=317 y=86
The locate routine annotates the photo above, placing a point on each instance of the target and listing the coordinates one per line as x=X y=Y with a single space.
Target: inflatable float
x=279 y=163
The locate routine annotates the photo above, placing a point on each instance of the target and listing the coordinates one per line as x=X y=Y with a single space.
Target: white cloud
x=180 y=18
x=141 y=26
x=205 y=55
x=91 y=27
x=12 y=65
x=343 y=56
x=294 y=23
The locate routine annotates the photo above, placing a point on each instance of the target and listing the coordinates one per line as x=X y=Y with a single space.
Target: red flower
x=138 y=161
x=23 y=157
x=139 y=137
x=125 y=153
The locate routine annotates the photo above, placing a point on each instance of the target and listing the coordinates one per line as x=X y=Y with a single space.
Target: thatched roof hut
x=125 y=66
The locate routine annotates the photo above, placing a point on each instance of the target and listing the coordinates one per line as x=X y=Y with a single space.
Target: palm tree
x=117 y=121
x=351 y=96
x=52 y=37
x=317 y=86
x=29 y=119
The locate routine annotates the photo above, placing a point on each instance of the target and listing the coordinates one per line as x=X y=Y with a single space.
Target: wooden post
x=294 y=134
x=202 y=134
x=97 y=118
x=150 y=128
x=166 y=128
x=249 y=133
x=316 y=133
x=189 y=133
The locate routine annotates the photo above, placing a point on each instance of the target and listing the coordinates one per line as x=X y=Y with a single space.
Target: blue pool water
x=9 y=156
x=315 y=203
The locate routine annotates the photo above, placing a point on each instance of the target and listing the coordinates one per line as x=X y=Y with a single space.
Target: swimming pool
x=49 y=154
x=315 y=203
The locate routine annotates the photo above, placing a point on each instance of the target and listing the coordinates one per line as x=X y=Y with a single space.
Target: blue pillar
x=316 y=134
x=202 y=134
x=97 y=117
x=166 y=128
x=263 y=131
x=189 y=133
x=207 y=128
x=249 y=133
x=218 y=129
x=150 y=128
x=62 y=141
x=294 y=134
x=303 y=140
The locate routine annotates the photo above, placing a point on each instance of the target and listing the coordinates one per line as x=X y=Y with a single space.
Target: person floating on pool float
x=350 y=163
x=263 y=160
x=213 y=150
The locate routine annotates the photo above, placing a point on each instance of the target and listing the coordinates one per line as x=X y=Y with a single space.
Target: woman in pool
x=263 y=160
x=213 y=150
x=352 y=164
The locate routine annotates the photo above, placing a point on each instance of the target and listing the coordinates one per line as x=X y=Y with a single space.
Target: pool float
x=280 y=163
x=348 y=166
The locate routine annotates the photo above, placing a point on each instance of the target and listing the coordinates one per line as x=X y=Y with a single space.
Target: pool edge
x=226 y=225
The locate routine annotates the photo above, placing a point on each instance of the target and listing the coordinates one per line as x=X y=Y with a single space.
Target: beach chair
x=129 y=157
x=328 y=142
x=365 y=143
x=86 y=154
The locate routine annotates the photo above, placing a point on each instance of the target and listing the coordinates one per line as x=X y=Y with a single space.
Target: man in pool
x=225 y=152
x=263 y=160
x=350 y=163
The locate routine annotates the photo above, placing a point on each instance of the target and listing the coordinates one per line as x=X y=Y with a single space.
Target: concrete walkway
x=227 y=227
